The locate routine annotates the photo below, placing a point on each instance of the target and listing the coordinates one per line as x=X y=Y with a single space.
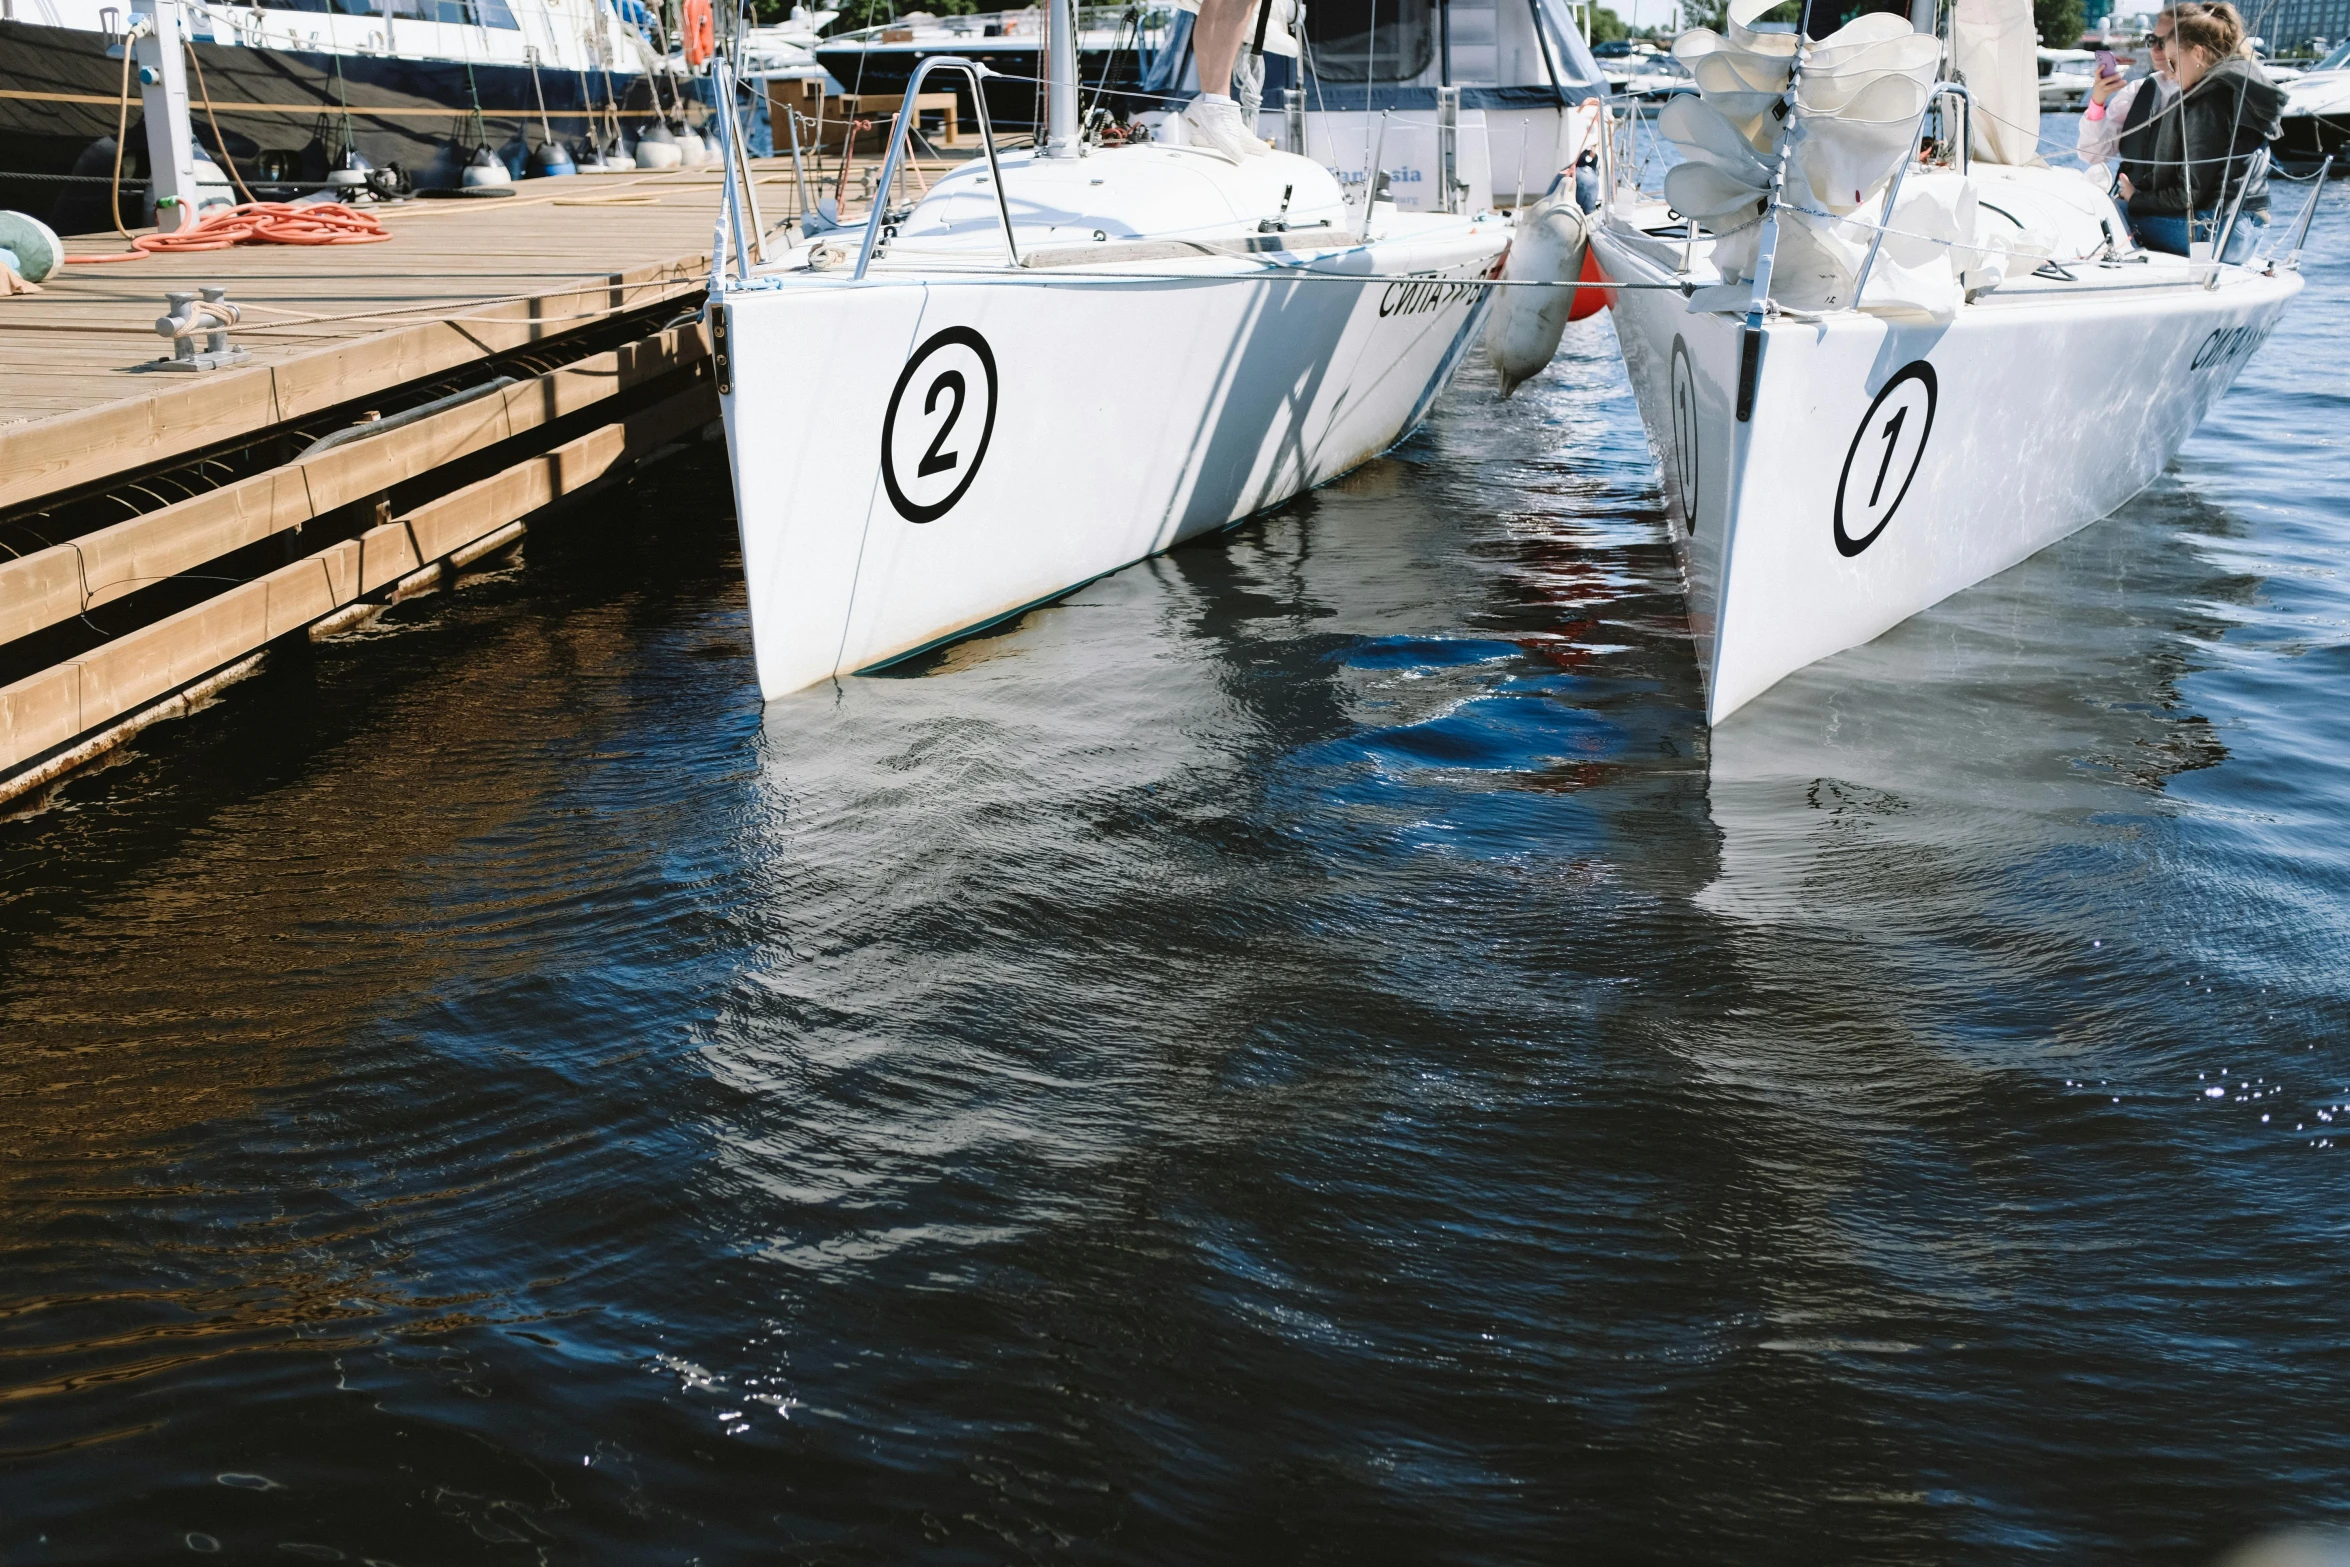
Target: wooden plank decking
x=460 y=282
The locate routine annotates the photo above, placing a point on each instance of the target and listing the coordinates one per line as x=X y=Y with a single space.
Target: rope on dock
x=257 y=223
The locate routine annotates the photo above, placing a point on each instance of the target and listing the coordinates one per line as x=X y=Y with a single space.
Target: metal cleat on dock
x=211 y=315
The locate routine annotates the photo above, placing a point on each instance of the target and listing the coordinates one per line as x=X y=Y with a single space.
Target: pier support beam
x=78 y=709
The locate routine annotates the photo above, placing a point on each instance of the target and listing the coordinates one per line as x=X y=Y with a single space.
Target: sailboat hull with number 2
x=980 y=441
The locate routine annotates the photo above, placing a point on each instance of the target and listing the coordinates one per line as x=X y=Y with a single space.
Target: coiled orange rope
x=258 y=223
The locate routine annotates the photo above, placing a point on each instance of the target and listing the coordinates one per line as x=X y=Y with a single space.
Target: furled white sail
x=1859 y=103
x=1994 y=47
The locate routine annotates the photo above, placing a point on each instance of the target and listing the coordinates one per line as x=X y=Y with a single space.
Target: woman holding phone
x=2206 y=146
x=2117 y=126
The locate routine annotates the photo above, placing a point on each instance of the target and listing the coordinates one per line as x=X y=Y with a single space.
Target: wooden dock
x=407 y=407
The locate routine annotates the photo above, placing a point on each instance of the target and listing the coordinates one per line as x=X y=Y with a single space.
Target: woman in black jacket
x=2207 y=143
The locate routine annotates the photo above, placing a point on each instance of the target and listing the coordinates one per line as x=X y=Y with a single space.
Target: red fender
x=1590 y=301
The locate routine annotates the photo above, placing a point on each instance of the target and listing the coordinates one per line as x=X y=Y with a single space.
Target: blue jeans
x=2167 y=232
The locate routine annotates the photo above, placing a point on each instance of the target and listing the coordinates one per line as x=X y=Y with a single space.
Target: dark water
x=1305 y=1051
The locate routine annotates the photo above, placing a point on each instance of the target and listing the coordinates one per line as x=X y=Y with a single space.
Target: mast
x=1060 y=112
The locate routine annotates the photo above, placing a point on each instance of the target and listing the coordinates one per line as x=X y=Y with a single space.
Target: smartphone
x=2108 y=63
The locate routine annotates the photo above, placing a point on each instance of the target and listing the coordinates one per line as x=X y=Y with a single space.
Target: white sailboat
x=1873 y=382
x=1055 y=363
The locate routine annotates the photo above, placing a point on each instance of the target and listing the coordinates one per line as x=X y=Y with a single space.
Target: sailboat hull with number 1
x=1889 y=463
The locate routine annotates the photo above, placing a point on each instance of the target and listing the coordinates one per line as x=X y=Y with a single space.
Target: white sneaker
x=1214 y=123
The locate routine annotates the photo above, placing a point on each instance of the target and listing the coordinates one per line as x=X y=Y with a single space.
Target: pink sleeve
x=2100 y=138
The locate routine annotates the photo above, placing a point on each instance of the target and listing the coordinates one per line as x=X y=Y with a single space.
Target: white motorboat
x=786 y=46
x=1656 y=81
x=785 y=52
x=1055 y=363
x=2066 y=75
x=2317 y=114
x=1872 y=383
x=1643 y=73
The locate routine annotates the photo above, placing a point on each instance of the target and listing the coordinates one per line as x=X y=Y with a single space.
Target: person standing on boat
x=2206 y=149
x=2117 y=127
x=1214 y=116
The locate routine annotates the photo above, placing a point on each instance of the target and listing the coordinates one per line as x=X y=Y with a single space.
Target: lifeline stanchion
x=2308 y=212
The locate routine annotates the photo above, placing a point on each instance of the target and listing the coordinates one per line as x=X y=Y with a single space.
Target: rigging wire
x=219 y=144
x=122 y=127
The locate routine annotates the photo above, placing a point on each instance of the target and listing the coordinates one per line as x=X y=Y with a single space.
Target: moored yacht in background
x=310 y=92
x=2317 y=115
x=1466 y=105
x=1116 y=46
x=2065 y=78
x=782 y=52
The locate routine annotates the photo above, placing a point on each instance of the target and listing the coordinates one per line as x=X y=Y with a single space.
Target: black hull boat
x=2309 y=139
x=286 y=117
x=1121 y=55
x=1015 y=98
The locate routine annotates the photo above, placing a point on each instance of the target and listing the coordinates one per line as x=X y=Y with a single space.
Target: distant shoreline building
x=2288 y=24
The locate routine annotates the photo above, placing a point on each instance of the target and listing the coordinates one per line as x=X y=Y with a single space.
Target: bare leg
x=1216 y=38
x=1216 y=121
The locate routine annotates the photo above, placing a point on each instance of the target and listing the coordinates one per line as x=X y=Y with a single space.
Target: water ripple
x=1306 y=1049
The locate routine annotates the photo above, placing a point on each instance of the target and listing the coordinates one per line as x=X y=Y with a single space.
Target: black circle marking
x=1877 y=476
x=949 y=386
x=1684 y=397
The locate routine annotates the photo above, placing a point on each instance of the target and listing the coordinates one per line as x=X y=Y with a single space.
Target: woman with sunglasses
x=2207 y=147
x=2117 y=126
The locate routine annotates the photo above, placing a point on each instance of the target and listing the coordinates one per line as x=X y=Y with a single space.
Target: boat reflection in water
x=1868 y=780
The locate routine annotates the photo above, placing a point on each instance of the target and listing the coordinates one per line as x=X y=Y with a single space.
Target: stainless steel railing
x=877 y=219
x=1966 y=165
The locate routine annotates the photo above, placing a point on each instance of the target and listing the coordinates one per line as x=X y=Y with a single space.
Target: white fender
x=1526 y=322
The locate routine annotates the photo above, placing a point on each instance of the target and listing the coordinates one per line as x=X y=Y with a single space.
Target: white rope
x=1870 y=225
x=1265 y=274
x=439 y=308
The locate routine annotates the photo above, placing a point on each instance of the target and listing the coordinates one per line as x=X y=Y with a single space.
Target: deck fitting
x=211 y=315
